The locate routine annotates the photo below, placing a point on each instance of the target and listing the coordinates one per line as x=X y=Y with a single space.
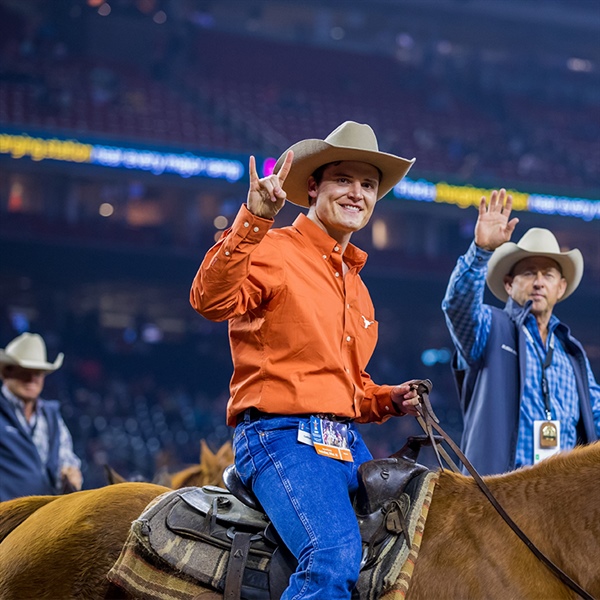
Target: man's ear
x=562 y=287
x=312 y=189
x=508 y=284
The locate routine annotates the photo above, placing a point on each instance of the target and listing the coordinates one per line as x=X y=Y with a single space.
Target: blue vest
x=490 y=391
x=21 y=470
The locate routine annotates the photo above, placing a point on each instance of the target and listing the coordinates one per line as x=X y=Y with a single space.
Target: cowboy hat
x=535 y=242
x=350 y=141
x=29 y=352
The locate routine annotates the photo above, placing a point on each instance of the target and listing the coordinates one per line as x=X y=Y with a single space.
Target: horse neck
x=557 y=505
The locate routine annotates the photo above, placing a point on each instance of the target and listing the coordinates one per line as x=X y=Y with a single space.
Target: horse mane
x=14 y=512
x=581 y=461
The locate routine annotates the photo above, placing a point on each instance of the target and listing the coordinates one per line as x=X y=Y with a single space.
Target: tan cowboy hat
x=350 y=141
x=535 y=242
x=29 y=351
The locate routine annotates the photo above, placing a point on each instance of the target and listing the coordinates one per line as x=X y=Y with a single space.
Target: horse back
x=14 y=512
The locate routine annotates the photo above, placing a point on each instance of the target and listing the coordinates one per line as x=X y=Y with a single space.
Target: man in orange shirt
x=302 y=330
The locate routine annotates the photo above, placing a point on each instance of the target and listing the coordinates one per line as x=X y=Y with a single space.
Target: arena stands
x=99 y=260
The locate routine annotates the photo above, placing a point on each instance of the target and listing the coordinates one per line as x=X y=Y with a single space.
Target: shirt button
x=387 y=408
x=347 y=306
x=348 y=338
x=227 y=253
x=337 y=274
x=347 y=370
x=325 y=256
x=336 y=249
x=256 y=229
x=246 y=224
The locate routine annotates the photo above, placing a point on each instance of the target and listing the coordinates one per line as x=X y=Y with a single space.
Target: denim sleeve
x=594 y=396
x=468 y=318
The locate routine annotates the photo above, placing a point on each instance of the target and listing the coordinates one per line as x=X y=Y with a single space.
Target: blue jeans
x=308 y=499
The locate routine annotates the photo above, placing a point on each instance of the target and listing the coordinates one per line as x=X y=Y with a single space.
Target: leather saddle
x=381 y=505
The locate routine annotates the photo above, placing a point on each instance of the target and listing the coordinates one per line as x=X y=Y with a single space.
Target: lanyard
x=544 y=364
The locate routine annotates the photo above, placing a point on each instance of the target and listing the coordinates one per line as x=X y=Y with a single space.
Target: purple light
x=268 y=166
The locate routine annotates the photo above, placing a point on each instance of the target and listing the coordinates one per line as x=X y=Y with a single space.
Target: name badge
x=546 y=438
x=329 y=438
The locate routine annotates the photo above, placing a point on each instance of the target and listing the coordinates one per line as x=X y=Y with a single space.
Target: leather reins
x=429 y=422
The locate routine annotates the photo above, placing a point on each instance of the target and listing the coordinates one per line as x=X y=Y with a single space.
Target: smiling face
x=538 y=279
x=343 y=201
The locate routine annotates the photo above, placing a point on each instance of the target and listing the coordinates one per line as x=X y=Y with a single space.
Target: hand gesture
x=493 y=227
x=266 y=196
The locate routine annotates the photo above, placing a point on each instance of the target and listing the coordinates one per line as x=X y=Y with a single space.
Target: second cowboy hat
x=28 y=350
x=535 y=242
x=350 y=141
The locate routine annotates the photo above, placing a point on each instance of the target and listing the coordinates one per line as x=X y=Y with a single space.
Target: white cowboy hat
x=29 y=351
x=350 y=141
x=535 y=242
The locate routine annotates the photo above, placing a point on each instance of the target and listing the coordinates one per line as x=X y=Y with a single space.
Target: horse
x=65 y=547
x=209 y=471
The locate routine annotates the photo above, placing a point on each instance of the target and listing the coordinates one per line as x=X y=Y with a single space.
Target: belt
x=253 y=414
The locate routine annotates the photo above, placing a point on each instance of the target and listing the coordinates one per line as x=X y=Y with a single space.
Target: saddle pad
x=145 y=576
x=156 y=560
x=389 y=578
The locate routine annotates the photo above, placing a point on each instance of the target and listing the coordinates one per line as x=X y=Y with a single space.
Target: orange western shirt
x=301 y=333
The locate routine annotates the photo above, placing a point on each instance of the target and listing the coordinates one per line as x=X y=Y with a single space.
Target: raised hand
x=266 y=196
x=493 y=227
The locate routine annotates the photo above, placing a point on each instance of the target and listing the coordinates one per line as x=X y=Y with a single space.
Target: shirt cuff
x=387 y=407
x=250 y=227
x=477 y=257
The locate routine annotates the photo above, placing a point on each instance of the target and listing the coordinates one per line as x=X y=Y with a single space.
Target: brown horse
x=209 y=471
x=64 y=549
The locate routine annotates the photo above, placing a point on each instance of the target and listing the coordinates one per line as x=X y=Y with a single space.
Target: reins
x=429 y=422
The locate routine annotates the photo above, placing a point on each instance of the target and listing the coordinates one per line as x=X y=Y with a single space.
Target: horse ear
x=112 y=476
x=205 y=451
x=225 y=454
x=163 y=477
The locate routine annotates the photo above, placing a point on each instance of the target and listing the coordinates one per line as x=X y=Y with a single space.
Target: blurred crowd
x=468 y=116
x=140 y=399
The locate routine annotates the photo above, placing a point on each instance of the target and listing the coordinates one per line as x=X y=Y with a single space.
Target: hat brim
x=7 y=359
x=509 y=254
x=311 y=154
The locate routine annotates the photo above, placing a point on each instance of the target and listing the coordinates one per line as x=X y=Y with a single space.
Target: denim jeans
x=308 y=499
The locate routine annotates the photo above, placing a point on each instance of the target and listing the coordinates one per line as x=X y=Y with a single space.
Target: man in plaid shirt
x=525 y=384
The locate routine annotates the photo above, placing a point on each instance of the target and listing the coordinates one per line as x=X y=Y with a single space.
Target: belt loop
x=247 y=416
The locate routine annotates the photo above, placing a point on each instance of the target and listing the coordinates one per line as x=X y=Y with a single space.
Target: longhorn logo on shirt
x=367 y=322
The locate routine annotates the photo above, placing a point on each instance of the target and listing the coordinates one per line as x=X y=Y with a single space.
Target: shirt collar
x=325 y=244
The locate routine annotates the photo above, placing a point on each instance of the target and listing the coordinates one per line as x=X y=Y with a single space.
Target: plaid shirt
x=38 y=429
x=469 y=322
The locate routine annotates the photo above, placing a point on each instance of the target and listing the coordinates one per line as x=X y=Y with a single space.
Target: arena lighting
x=433 y=356
x=160 y=17
x=466 y=195
x=184 y=164
x=220 y=222
x=106 y=209
x=232 y=170
x=580 y=64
